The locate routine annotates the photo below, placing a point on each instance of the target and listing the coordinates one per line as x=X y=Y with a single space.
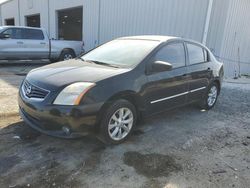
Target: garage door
x=70 y=24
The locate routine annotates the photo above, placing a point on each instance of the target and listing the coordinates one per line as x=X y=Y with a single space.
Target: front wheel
x=211 y=97
x=118 y=122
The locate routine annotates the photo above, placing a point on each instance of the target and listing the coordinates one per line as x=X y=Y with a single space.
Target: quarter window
x=172 y=53
x=196 y=54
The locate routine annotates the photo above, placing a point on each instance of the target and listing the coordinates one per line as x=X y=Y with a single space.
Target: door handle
x=43 y=43
x=19 y=42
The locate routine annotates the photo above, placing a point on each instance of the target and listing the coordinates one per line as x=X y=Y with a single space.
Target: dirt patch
x=6 y=163
x=201 y=148
x=137 y=132
x=55 y=178
x=151 y=165
x=25 y=133
x=152 y=183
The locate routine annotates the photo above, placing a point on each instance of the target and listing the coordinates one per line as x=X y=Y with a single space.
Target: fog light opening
x=66 y=130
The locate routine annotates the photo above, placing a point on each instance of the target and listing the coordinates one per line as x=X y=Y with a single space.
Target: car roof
x=159 y=38
x=23 y=27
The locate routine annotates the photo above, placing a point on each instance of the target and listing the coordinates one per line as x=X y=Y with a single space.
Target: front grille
x=32 y=91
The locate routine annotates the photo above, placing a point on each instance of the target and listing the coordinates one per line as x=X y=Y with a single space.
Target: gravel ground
x=182 y=148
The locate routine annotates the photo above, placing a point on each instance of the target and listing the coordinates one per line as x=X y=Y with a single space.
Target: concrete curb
x=239 y=81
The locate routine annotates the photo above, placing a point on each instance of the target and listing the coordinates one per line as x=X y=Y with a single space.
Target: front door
x=167 y=89
x=12 y=48
x=35 y=44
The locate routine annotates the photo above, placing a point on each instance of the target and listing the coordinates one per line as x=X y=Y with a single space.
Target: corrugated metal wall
x=217 y=25
x=235 y=46
x=103 y=20
x=185 y=18
x=10 y=10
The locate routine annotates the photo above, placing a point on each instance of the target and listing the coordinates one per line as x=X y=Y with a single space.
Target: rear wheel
x=211 y=96
x=118 y=122
x=67 y=54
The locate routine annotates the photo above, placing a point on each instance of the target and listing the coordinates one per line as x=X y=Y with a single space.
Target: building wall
x=159 y=17
x=90 y=19
x=10 y=10
x=217 y=25
x=56 y=5
x=31 y=7
x=103 y=20
x=235 y=46
x=0 y=15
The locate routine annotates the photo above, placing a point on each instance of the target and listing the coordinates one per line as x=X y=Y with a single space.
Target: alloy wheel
x=212 y=96
x=68 y=56
x=120 y=124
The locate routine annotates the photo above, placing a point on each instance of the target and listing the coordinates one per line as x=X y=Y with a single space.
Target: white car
x=28 y=43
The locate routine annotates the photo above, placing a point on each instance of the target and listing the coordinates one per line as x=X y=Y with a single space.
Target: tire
x=211 y=97
x=67 y=54
x=120 y=128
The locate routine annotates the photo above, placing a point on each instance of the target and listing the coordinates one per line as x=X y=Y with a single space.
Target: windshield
x=1 y=28
x=125 y=53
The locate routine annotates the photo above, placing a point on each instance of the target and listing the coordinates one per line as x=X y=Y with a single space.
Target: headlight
x=72 y=94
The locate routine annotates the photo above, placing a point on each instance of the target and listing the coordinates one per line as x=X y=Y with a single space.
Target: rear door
x=13 y=47
x=167 y=89
x=199 y=71
x=36 y=45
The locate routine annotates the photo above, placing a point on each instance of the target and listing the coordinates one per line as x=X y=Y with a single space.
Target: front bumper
x=59 y=121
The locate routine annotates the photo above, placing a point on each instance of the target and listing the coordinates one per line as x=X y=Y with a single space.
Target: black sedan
x=110 y=88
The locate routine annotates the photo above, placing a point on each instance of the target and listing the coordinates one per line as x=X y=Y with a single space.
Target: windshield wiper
x=106 y=64
x=101 y=63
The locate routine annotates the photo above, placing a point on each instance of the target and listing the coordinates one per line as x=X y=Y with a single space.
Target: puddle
x=7 y=163
x=151 y=165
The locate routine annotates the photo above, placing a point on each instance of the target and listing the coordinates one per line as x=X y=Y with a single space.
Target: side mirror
x=4 y=36
x=161 y=66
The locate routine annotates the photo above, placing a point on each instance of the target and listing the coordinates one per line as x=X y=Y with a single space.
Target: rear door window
x=196 y=54
x=172 y=53
x=33 y=34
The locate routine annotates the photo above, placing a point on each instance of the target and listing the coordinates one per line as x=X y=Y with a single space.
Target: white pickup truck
x=28 y=43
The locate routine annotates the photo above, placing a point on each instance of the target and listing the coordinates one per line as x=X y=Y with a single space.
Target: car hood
x=54 y=76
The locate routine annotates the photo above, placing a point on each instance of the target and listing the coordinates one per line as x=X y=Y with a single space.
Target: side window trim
x=187 y=53
x=164 y=45
x=207 y=56
x=176 y=42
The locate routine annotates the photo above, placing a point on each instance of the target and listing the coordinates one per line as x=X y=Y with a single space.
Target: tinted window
x=33 y=34
x=172 y=53
x=196 y=54
x=14 y=33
